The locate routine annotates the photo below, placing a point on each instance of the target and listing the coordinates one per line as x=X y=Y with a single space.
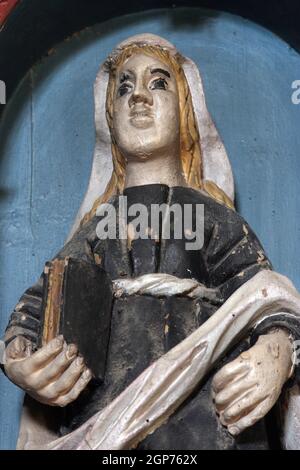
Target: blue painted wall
x=47 y=140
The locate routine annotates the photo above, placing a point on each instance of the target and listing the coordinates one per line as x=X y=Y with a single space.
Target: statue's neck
x=161 y=170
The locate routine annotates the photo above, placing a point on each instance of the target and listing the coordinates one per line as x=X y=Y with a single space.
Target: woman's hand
x=54 y=375
x=246 y=389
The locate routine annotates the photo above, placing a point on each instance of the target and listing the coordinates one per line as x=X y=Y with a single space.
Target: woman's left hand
x=245 y=389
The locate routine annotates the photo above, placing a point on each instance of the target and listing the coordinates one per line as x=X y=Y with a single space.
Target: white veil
x=216 y=165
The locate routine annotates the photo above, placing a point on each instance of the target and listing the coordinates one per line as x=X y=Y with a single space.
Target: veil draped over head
x=216 y=168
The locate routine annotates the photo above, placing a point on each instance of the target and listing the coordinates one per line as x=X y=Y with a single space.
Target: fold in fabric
x=149 y=401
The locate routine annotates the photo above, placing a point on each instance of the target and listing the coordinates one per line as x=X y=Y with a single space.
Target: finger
x=66 y=382
x=255 y=415
x=234 y=370
x=43 y=356
x=76 y=390
x=18 y=348
x=55 y=368
x=231 y=393
x=241 y=407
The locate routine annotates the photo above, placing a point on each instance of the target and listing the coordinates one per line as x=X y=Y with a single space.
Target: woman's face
x=146 y=109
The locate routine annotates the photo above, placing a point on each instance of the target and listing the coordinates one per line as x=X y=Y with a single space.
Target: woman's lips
x=141 y=119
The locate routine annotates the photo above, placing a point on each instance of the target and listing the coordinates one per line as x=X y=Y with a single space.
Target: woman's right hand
x=54 y=375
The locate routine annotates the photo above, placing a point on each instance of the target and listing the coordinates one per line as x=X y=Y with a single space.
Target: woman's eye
x=159 y=84
x=124 y=88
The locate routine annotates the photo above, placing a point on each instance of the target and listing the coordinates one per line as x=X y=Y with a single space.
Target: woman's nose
x=141 y=94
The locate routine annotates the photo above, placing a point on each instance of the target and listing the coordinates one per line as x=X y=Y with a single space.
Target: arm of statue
x=245 y=389
x=54 y=375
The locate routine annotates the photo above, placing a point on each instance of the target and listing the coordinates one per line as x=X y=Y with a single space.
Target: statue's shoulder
x=187 y=195
x=214 y=211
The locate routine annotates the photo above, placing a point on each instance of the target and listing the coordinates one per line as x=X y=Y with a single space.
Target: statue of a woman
x=165 y=150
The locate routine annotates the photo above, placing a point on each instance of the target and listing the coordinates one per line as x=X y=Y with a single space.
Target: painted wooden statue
x=201 y=339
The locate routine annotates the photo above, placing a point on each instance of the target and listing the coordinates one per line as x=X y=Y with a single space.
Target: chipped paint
x=261 y=257
x=97 y=258
x=264 y=292
x=245 y=230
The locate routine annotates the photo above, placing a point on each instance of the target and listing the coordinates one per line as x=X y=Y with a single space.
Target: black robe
x=143 y=327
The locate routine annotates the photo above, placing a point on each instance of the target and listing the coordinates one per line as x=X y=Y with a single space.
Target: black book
x=77 y=304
